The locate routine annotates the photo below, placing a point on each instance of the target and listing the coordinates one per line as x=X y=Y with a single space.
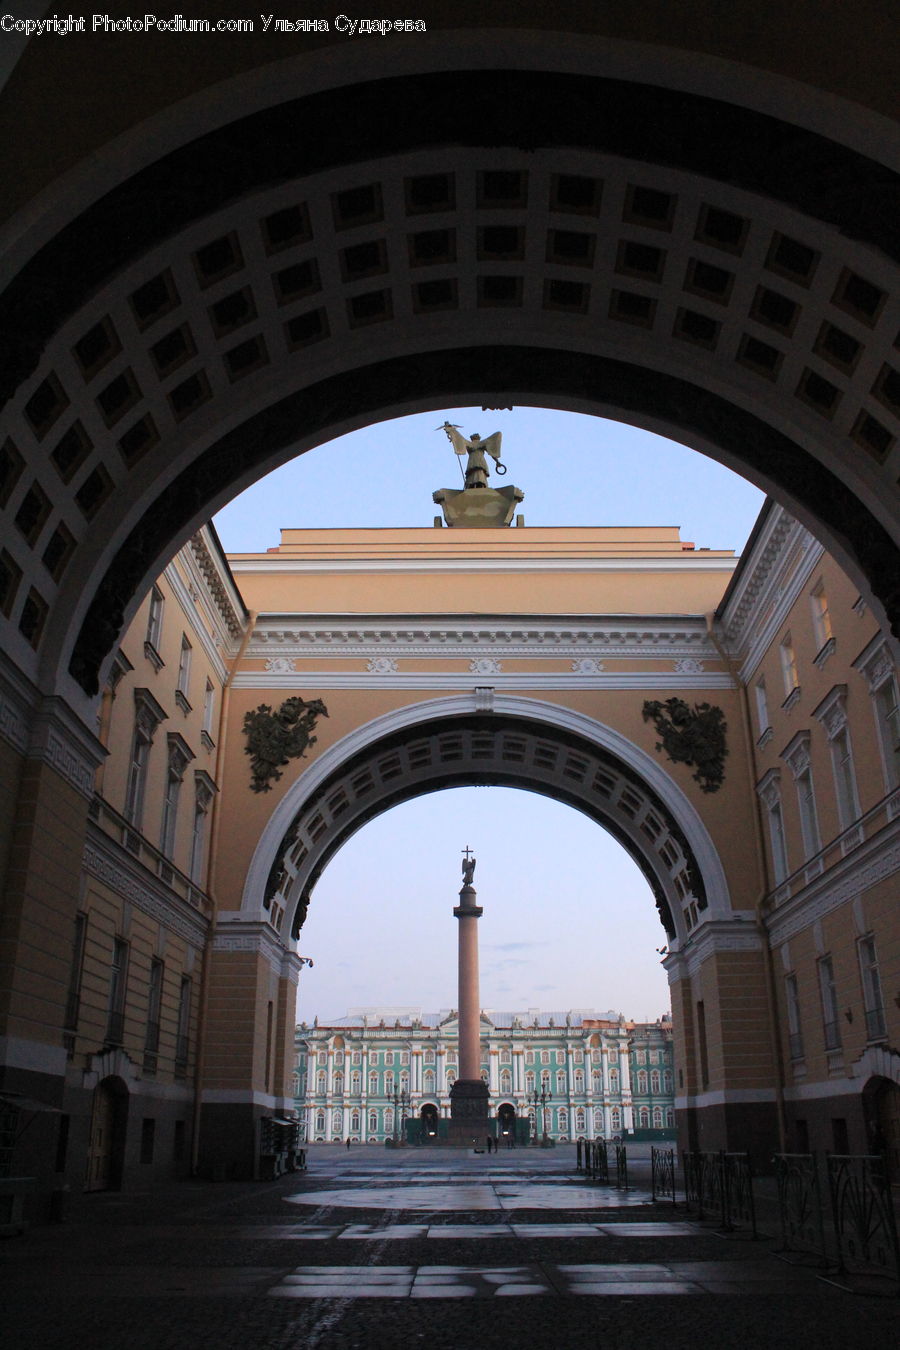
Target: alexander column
x=469 y=1094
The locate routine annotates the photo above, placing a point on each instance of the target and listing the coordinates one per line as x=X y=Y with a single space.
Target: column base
x=469 y=1121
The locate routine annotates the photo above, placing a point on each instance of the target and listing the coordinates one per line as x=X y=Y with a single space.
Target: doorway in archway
x=109 y=1125
x=429 y=1123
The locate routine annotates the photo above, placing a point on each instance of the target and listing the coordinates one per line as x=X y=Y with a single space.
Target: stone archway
x=627 y=246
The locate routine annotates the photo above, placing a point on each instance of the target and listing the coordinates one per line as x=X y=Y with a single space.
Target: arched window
x=561 y=1081
x=320 y=1122
x=389 y=1121
x=355 y=1083
x=429 y=1080
x=579 y=1080
x=560 y=1056
x=388 y=1056
x=598 y=1120
x=338 y=1058
x=322 y=1058
x=644 y=1118
x=615 y=1120
x=529 y=1082
x=373 y=1084
x=354 y=1121
x=505 y=1057
x=505 y=1081
x=579 y=1120
x=667 y=1080
x=614 y=1080
x=404 y=1082
x=336 y=1124
x=545 y=1081
x=577 y=1057
x=562 y=1121
x=654 y=1081
x=373 y=1122
x=429 y=1056
x=529 y=1056
x=338 y=1084
x=320 y=1082
x=545 y=1056
x=597 y=1083
x=642 y=1082
x=404 y=1059
x=670 y=1116
x=657 y=1117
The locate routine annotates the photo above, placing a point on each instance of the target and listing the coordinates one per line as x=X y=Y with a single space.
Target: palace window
x=888 y=710
x=209 y=703
x=320 y=1122
x=545 y=1056
x=184 y=668
x=579 y=1121
x=762 y=706
x=578 y=1057
x=356 y=1058
x=597 y=1083
x=204 y=787
x=322 y=1058
x=642 y=1082
x=769 y=792
x=657 y=1117
x=429 y=1080
x=429 y=1056
x=562 y=1121
x=788 y=665
x=561 y=1082
x=529 y=1056
x=821 y=618
x=320 y=1083
x=529 y=1082
x=373 y=1122
x=147 y=717
x=118 y=977
x=388 y=1084
x=644 y=1116
x=339 y=1058
x=614 y=1080
x=873 y=1002
x=795 y=1030
x=354 y=1122
x=545 y=1082
x=180 y=755
x=560 y=1056
x=598 y=1120
x=670 y=1116
x=338 y=1084
x=505 y=1057
x=830 y=1025
x=579 y=1080
x=388 y=1056
x=615 y=1119
x=505 y=1081
x=355 y=1084
x=654 y=1081
x=154 y=626
x=404 y=1058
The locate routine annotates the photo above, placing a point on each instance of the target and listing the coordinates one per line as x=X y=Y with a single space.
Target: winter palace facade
x=569 y=1075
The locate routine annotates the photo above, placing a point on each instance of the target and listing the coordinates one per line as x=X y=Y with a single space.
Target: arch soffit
x=854 y=535
x=555 y=719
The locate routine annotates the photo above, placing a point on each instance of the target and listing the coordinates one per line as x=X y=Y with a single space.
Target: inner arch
x=511 y=745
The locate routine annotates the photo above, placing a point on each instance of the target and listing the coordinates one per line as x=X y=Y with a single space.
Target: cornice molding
x=737 y=934
x=765 y=593
x=107 y=861
x=258 y=939
x=18 y=700
x=61 y=740
x=219 y=586
x=461 y=679
x=425 y=566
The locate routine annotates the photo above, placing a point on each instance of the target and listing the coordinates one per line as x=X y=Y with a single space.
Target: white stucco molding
x=556 y=719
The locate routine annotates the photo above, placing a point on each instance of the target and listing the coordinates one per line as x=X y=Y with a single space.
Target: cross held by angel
x=476 y=472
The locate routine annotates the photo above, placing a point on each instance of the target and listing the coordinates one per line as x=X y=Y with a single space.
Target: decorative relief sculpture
x=381 y=665
x=274 y=738
x=693 y=736
x=588 y=665
x=688 y=666
x=280 y=665
x=485 y=665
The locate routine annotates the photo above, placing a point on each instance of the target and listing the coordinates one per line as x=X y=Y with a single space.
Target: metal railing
x=862 y=1210
x=720 y=1186
x=799 y=1204
x=621 y=1167
x=662 y=1174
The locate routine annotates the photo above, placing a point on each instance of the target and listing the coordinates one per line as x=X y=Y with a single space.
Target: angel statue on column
x=475 y=448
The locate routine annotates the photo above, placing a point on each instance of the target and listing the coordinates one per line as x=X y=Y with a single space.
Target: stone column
x=468 y=912
x=469 y=1095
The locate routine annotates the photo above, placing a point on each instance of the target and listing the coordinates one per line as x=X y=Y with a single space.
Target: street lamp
x=541 y=1099
x=401 y=1103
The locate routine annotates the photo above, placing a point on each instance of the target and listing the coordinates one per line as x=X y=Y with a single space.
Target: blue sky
x=568 y=919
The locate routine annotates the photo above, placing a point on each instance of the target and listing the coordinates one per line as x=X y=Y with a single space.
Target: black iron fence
x=858 y=1234
x=662 y=1174
x=720 y=1186
x=621 y=1167
x=799 y=1204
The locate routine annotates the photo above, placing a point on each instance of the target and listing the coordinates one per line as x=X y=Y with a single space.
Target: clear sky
x=568 y=920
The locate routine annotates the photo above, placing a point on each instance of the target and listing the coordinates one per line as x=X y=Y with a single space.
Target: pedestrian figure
x=348 y=1144
x=489 y=1143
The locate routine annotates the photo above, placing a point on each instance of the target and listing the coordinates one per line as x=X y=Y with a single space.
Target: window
x=579 y=1080
x=762 y=707
x=389 y=1057
x=615 y=1119
x=654 y=1081
x=830 y=1024
x=769 y=791
x=596 y=1083
x=560 y=1056
x=320 y=1083
x=545 y=1056
x=204 y=787
x=888 y=711
x=209 y=703
x=355 y=1084
x=529 y=1056
x=873 y=1002
x=148 y=1134
x=579 y=1120
x=788 y=666
x=529 y=1082
x=154 y=623
x=505 y=1081
x=809 y=825
x=180 y=755
x=182 y=1043
x=338 y=1084
x=657 y=1117
x=832 y=713
x=614 y=1080
x=563 y=1121
x=147 y=717
x=118 y=977
x=154 y=1000
x=642 y=1082
x=73 y=999
x=561 y=1082
x=184 y=666
x=644 y=1117
x=373 y=1084
x=320 y=1122
x=821 y=618
x=429 y=1056
x=795 y=1030
x=373 y=1122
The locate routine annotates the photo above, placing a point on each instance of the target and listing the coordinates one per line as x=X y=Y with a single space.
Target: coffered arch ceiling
x=519 y=743
x=425 y=240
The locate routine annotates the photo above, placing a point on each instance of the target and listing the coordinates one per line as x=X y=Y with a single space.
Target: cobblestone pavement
x=415 y=1248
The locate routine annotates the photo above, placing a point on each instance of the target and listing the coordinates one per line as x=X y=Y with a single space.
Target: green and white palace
x=382 y=1074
